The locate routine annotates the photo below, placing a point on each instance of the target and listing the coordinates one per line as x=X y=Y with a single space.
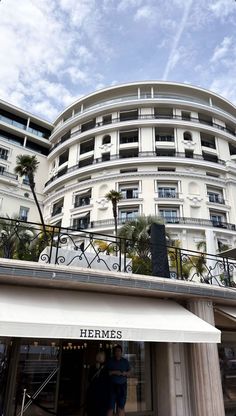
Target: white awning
x=227 y=311
x=49 y=313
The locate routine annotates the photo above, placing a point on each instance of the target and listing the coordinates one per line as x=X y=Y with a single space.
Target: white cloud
x=126 y=4
x=222 y=50
x=222 y=8
x=44 y=56
x=145 y=12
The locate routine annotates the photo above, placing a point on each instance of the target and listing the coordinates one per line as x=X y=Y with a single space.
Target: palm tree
x=27 y=166
x=114 y=197
x=137 y=234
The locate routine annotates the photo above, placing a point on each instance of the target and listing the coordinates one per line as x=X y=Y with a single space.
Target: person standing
x=118 y=369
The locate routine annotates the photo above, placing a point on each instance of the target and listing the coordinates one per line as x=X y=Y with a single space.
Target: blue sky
x=54 y=51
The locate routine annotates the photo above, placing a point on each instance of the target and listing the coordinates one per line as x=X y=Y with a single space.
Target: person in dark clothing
x=118 y=370
x=98 y=389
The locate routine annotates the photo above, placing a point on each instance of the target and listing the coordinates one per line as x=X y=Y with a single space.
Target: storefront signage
x=100 y=333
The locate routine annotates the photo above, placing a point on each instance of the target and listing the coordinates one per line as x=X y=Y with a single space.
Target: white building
x=168 y=147
x=21 y=133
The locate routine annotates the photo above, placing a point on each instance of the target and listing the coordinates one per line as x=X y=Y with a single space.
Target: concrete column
x=207 y=395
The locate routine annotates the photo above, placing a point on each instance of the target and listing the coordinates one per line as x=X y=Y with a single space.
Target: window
x=82 y=199
x=57 y=207
x=215 y=196
x=214 y=175
x=163 y=134
x=170 y=215
x=23 y=214
x=189 y=153
x=125 y=153
x=63 y=158
x=106 y=139
x=81 y=222
x=106 y=157
x=186 y=115
x=86 y=162
x=12 y=119
x=129 y=137
x=163 y=112
x=165 y=152
x=209 y=157
x=62 y=171
x=3 y=153
x=38 y=130
x=107 y=119
x=87 y=146
x=187 y=136
x=167 y=192
x=2 y=170
x=218 y=219
x=129 y=115
x=129 y=191
x=128 y=214
x=208 y=141
x=166 y=169
x=26 y=180
x=132 y=170
x=205 y=119
x=65 y=137
x=88 y=125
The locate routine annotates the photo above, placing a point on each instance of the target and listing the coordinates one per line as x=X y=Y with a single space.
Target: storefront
x=49 y=340
x=226 y=320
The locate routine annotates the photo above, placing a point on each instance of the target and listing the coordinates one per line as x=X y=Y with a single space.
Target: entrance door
x=77 y=357
x=5 y=349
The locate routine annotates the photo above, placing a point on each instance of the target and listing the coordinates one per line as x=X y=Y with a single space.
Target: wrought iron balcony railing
x=147 y=117
x=79 y=248
x=92 y=161
x=8 y=175
x=217 y=199
x=170 y=220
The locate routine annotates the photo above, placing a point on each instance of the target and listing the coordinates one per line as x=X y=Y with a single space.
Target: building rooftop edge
x=145 y=82
x=25 y=112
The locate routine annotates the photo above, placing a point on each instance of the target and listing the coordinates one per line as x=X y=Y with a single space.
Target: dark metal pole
x=160 y=265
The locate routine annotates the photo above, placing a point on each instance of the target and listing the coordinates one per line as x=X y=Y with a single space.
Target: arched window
x=106 y=139
x=187 y=136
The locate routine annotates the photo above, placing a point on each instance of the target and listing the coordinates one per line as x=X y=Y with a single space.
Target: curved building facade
x=169 y=148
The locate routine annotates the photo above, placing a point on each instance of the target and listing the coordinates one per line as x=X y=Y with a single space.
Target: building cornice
x=31 y=274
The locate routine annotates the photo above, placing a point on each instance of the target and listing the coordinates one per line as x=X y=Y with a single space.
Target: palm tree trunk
x=114 y=206
x=32 y=185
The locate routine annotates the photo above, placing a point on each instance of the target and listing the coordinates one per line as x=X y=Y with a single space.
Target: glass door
x=37 y=372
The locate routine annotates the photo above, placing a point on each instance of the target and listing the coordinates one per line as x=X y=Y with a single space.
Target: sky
x=54 y=51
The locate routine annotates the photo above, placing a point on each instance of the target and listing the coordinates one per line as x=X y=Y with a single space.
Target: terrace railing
x=79 y=248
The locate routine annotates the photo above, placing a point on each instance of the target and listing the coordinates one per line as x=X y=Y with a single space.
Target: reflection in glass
x=227 y=357
x=37 y=373
x=139 y=382
x=4 y=360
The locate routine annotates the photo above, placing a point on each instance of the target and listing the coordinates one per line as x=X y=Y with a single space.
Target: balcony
x=74 y=246
x=160 y=138
x=216 y=199
x=168 y=194
x=8 y=175
x=144 y=117
x=133 y=153
x=168 y=220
